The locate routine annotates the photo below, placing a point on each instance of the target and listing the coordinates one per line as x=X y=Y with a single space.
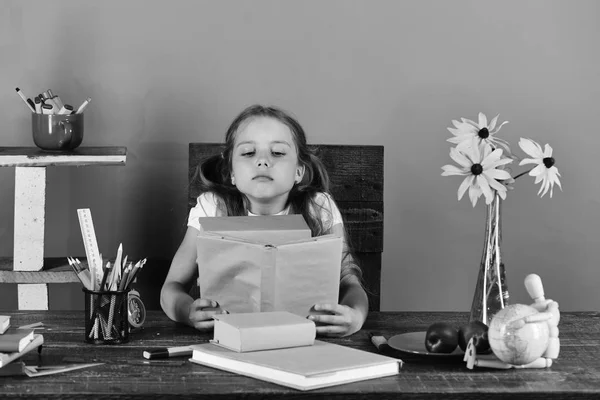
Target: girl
x=266 y=168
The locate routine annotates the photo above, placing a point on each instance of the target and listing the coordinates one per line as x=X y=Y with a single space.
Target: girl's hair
x=214 y=175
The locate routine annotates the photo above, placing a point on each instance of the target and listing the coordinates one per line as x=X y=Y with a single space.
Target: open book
x=252 y=276
x=307 y=367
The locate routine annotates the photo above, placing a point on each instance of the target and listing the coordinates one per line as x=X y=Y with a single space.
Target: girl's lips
x=262 y=178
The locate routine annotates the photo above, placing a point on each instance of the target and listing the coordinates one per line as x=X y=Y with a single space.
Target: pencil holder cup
x=57 y=132
x=106 y=318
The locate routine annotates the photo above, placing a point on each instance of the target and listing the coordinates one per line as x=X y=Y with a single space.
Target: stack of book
x=280 y=347
x=14 y=343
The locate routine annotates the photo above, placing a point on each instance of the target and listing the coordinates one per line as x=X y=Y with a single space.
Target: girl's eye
x=248 y=153
x=278 y=153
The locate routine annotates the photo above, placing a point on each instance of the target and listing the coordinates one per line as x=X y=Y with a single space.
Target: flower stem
x=522 y=173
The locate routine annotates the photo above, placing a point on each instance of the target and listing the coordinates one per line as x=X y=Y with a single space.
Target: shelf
x=81 y=156
x=55 y=270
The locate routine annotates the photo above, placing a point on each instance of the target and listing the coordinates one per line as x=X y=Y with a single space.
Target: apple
x=479 y=332
x=441 y=337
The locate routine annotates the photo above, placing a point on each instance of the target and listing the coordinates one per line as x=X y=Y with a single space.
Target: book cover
x=6 y=358
x=247 y=276
x=304 y=368
x=13 y=369
x=15 y=340
x=273 y=229
x=263 y=331
x=4 y=323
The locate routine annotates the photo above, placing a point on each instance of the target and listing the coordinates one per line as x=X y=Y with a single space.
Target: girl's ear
x=299 y=173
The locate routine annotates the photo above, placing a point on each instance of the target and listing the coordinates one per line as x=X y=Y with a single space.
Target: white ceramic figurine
x=522 y=336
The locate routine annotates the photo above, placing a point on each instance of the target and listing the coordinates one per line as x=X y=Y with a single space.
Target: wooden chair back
x=356 y=174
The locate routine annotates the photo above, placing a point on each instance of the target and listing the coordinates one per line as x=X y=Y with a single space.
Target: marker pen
x=56 y=100
x=38 y=105
x=47 y=109
x=66 y=109
x=26 y=100
x=83 y=105
x=168 y=352
x=45 y=95
x=52 y=103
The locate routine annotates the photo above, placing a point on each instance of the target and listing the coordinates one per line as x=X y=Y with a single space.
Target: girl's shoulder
x=208 y=204
x=324 y=199
x=211 y=203
x=326 y=209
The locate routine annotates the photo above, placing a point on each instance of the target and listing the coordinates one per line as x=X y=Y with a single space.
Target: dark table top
x=126 y=374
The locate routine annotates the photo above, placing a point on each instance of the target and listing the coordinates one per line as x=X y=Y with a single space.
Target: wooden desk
x=126 y=374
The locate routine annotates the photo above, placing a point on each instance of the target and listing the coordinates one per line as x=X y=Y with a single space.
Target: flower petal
x=502 y=143
x=464 y=186
x=470 y=122
x=453 y=170
x=482 y=121
x=492 y=123
x=539 y=178
x=498 y=128
x=531 y=148
x=545 y=186
x=485 y=188
x=547 y=151
x=474 y=193
x=500 y=188
x=540 y=169
x=497 y=174
x=502 y=194
x=530 y=161
x=555 y=176
x=492 y=157
x=475 y=153
x=498 y=163
x=460 y=158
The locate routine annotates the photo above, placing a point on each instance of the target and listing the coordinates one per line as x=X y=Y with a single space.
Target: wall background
x=163 y=74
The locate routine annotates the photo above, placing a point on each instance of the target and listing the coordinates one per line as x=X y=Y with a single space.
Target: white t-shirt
x=206 y=206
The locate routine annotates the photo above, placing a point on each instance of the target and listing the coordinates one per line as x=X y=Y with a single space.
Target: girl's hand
x=202 y=312
x=340 y=321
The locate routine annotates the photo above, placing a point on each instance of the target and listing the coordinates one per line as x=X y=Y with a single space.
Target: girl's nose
x=263 y=161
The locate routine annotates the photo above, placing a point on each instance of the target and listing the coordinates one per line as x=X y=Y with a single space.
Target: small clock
x=136 y=310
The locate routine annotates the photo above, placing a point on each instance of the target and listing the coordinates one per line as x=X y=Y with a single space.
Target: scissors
x=33 y=371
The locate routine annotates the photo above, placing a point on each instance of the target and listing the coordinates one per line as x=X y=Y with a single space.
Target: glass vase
x=491 y=293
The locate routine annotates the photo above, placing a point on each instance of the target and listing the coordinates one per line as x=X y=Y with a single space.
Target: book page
x=308 y=272
x=229 y=272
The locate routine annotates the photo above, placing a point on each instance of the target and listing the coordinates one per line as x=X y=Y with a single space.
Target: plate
x=414 y=343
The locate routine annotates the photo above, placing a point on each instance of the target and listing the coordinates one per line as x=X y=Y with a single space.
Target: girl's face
x=265 y=164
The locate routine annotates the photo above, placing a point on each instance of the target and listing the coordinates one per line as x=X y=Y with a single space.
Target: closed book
x=304 y=368
x=263 y=331
x=13 y=369
x=4 y=323
x=6 y=358
x=273 y=229
x=15 y=340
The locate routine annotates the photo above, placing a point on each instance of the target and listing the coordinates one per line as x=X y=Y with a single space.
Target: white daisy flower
x=545 y=171
x=465 y=130
x=479 y=163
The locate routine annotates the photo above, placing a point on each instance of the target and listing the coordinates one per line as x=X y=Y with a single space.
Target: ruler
x=91 y=244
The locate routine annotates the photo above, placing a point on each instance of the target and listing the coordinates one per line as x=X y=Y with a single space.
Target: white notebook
x=308 y=367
